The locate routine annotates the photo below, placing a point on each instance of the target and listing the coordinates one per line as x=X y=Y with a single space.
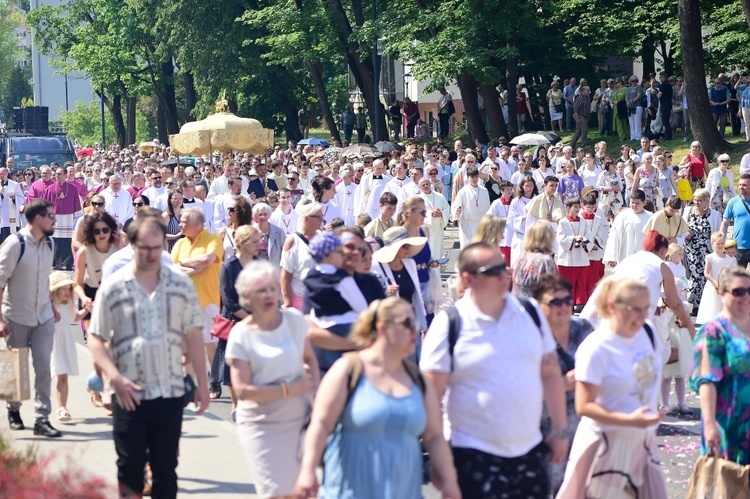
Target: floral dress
x=722 y=194
x=648 y=184
x=611 y=201
x=729 y=361
x=696 y=250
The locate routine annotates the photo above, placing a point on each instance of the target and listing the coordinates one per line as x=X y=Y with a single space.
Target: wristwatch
x=557 y=432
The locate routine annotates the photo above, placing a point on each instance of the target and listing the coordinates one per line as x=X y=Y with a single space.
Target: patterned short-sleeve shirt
x=146 y=331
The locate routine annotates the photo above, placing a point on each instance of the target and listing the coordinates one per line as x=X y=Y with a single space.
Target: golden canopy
x=222 y=132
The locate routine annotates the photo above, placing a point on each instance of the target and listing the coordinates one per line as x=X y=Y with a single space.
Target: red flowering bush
x=24 y=475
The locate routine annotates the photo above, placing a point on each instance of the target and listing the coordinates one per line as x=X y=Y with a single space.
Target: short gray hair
x=195 y=215
x=252 y=275
x=259 y=207
x=723 y=157
x=306 y=207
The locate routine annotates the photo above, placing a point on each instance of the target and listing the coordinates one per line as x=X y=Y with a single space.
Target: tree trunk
x=316 y=70
x=746 y=10
x=161 y=123
x=511 y=67
x=668 y=56
x=191 y=95
x=701 y=120
x=170 y=101
x=647 y=56
x=130 y=131
x=115 y=108
x=468 y=86
x=494 y=111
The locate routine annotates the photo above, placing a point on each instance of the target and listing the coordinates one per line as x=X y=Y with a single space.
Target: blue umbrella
x=313 y=141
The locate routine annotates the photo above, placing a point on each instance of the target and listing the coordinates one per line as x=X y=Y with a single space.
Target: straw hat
x=59 y=279
x=393 y=239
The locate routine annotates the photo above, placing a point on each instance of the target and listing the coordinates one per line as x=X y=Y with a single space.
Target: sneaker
x=16 y=423
x=45 y=429
x=684 y=409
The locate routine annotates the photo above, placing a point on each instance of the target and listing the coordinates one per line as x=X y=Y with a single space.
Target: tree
x=701 y=119
x=17 y=89
x=84 y=123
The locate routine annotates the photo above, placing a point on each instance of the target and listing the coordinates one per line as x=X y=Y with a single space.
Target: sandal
x=215 y=392
x=96 y=399
x=63 y=414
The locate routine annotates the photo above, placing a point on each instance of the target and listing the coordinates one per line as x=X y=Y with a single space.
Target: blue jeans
x=348 y=130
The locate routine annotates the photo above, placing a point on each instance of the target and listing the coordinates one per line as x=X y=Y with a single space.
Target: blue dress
x=374 y=451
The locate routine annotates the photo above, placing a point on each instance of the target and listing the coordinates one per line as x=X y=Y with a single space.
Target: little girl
x=679 y=337
x=64 y=357
x=730 y=245
x=717 y=261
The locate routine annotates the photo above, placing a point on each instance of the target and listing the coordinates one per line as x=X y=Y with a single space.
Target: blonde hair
x=243 y=234
x=539 y=238
x=672 y=249
x=411 y=203
x=614 y=291
x=364 y=332
x=717 y=236
x=491 y=230
x=55 y=298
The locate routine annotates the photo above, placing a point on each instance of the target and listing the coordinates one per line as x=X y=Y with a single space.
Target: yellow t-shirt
x=206 y=282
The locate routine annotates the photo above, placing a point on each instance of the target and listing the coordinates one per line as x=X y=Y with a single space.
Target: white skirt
x=64 y=355
x=710 y=305
x=680 y=339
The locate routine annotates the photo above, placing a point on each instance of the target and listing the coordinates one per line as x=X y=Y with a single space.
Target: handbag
x=560 y=108
x=434 y=296
x=221 y=328
x=622 y=108
x=684 y=189
x=14 y=374
x=718 y=478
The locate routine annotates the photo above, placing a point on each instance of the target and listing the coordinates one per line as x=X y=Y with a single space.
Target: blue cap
x=323 y=244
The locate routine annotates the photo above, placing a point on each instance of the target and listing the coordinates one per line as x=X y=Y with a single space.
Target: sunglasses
x=408 y=323
x=422 y=212
x=50 y=215
x=722 y=161
x=169 y=183
x=433 y=174
x=231 y=209
x=105 y=230
x=29 y=174
x=491 y=270
x=739 y=292
x=138 y=205
x=560 y=302
x=155 y=178
x=97 y=204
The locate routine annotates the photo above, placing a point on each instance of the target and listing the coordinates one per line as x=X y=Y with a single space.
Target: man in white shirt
x=345 y=196
x=155 y=188
x=490 y=358
x=397 y=184
x=220 y=185
x=284 y=215
x=367 y=195
x=503 y=171
x=117 y=202
x=470 y=205
x=11 y=199
x=221 y=202
x=626 y=234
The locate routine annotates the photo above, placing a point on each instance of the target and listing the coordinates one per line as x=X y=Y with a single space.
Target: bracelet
x=558 y=432
x=284 y=390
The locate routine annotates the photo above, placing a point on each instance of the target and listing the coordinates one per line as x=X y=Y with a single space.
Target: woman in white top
x=720 y=184
x=295 y=258
x=239 y=212
x=274 y=372
x=542 y=172
x=517 y=215
x=589 y=171
x=618 y=374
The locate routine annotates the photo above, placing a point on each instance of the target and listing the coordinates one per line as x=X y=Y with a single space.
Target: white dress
x=679 y=338
x=710 y=305
x=64 y=356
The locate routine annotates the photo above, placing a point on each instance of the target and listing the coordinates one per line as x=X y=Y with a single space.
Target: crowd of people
x=307 y=285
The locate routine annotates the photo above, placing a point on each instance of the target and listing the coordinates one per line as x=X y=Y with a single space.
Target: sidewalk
x=210 y=464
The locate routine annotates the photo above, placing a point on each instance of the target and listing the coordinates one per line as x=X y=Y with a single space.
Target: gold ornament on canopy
x=223 y=132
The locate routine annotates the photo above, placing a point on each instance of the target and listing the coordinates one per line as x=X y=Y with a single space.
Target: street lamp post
x=104 y=133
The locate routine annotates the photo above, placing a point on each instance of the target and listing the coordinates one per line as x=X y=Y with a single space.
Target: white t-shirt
x=296 y=261
x=626 y=370
x=274 y=356
x=493 y=402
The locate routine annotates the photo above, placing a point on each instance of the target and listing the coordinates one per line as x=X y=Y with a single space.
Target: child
x=332 y=300
x=501 y=207
x=598 y=228
x=679 y=338
x=710 y=304
x=64 y=358
x=574 y=243
x=731 y=247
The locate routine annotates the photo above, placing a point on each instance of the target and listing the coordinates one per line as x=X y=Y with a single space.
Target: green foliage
x=727 y=39
x=85 y=124
x=17 y=90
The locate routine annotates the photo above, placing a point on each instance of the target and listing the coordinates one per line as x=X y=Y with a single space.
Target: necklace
x=476 y=196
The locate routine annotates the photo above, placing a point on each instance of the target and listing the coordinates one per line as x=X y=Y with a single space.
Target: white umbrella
x=530 y=139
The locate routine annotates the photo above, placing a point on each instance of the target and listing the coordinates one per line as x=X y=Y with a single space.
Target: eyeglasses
x=231 y=209
x=739 y=292
x=97 y=204
x=560 y=302
x=105 y=230
x=421 y=212
x=138 y=205
x=408 y=323
x=149 y=249
x=491 y=270
x=637 y=310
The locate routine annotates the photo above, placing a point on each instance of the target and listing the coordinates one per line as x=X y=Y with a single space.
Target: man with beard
x=28 y=314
